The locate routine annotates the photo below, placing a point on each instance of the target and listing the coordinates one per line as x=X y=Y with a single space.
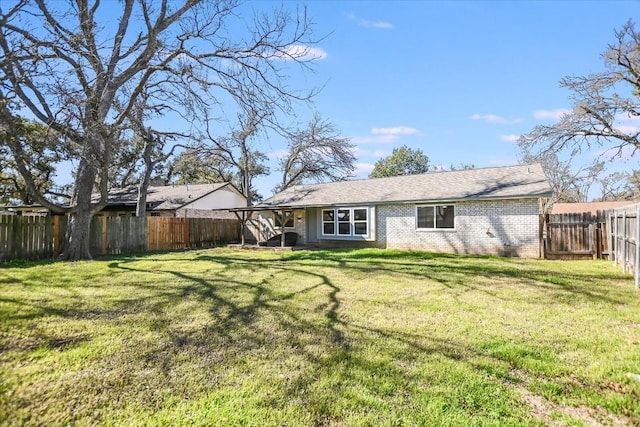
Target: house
x=188 y=201
x=479 y=211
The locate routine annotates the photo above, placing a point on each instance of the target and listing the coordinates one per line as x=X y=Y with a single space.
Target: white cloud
x=301 y=53
x=626 y=124
x=510 y=138
x=358 y=151
x=278 y=154
x=399 y=130
x=381 y=25
x=363 y=170
x=550 y=114
x=494 y=118
x=384 y=135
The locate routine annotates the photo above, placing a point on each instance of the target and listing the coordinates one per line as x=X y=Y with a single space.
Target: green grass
x=324 y=338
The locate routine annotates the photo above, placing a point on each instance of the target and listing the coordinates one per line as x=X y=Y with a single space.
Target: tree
x=620 y=186
x=317 y=153
x=462 y=167
x=567 y=185
x=233 y=158
x=40 y=147
x=600 y=102
x=189 y=167
x=81 y=72
x=230 y=158
x=402 y=161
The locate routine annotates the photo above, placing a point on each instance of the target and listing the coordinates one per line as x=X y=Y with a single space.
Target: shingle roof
x=487 y=183
x=164 y=197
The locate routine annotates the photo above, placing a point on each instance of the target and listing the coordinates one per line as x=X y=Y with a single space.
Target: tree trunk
x=143 y=186
x=78 y=238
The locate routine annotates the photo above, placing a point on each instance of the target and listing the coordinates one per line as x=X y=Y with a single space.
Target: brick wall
x=498 y=227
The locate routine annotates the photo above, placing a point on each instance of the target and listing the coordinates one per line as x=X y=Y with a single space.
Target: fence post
x=624 y=241
x=540 y=235
x=636 y=267
x=615 y=239
x=104 y=235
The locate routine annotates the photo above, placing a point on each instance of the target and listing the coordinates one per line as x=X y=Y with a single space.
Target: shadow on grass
x=313 y=354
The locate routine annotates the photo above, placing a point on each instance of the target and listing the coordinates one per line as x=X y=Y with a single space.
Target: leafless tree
x=234 y=157
x=150 y=144
x=568 y=185
x=317 y=153
x=81 y=72
x=601 y=103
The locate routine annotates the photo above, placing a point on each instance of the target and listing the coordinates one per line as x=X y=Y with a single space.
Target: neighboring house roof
x=592 y=207
x=522 y=181
x=165 y=197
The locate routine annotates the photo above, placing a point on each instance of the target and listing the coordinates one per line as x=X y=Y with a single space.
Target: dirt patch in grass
x=555 y=414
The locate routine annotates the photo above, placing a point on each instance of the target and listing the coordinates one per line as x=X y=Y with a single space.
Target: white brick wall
x=499 y=227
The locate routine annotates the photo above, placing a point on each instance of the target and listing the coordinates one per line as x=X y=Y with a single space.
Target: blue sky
x=459 y=80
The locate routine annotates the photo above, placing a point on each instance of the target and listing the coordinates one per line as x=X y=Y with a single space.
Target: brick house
x=479 y=211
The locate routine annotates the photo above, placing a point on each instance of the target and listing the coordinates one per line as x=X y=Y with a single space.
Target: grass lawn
x=318 y=338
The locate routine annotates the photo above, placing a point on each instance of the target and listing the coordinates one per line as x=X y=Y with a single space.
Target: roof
x=592 y=207
x=164 y=197
x=521 y=181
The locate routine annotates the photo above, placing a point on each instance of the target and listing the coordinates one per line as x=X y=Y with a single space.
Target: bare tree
x=568 y=185
x=81 y=75
x=601 y=102
x=317 y=153
x=233 y=157
x=151 y=144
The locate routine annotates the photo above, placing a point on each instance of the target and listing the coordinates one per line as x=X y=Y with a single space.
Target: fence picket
x=24 y=237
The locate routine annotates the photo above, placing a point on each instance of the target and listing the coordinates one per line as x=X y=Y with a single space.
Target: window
x=277 y=218
x=345 y=222
x=436 y=216
x=328 y=222
x=360 y=221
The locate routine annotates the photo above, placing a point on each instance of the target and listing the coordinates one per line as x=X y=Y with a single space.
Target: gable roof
x=164 y=197
x=521 y=181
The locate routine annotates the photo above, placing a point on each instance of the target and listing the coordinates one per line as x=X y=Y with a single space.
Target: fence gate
x=576 y=236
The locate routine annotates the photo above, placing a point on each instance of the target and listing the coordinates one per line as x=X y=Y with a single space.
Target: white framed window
x=346 y=222
x=360 y=222
x=430 y=217
x=277 y=219
x=328 y=222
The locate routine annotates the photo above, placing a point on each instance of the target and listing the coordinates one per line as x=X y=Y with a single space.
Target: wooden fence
x=625 y=239
x=612 y=235
x=27 y=237
x=576 y=236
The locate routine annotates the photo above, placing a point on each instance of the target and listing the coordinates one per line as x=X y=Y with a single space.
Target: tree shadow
x=303 y=329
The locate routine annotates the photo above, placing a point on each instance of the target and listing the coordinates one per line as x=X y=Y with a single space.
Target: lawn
x=318 y=338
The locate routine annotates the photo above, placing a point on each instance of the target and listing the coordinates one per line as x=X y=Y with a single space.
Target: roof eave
x=389 y=202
